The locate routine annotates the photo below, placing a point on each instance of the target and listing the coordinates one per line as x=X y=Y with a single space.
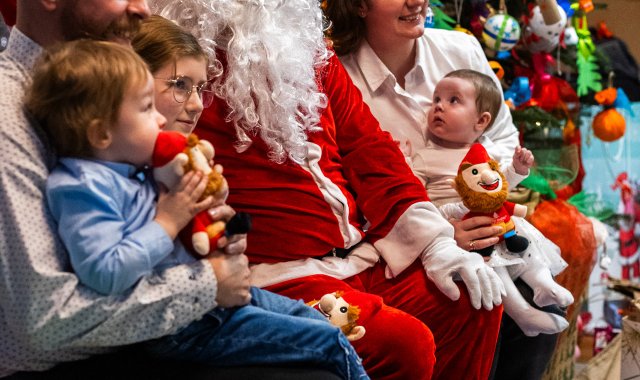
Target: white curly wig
x=274 y=49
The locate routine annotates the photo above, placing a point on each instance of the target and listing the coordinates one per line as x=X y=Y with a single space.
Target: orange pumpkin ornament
x=609 y=125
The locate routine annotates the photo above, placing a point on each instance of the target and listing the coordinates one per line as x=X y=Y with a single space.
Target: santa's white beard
x=274 y=48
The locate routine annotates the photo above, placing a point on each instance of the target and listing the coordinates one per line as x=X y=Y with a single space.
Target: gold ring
x=471 y=245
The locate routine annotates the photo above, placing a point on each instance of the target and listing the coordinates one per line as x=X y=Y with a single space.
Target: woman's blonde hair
x=161 y=41
x=78 y=83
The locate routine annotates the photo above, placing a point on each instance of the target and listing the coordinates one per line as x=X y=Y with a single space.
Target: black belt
x=338 y=252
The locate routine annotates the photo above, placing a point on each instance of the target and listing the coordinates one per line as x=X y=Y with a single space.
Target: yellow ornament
x=458 y=28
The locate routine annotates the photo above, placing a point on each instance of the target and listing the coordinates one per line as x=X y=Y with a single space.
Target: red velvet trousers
x=413 y=331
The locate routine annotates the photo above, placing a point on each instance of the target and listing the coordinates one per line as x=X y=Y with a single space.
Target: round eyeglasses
x=182 y=87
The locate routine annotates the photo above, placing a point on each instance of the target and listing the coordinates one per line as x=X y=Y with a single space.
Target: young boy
x=465 y=103
x=95 y=101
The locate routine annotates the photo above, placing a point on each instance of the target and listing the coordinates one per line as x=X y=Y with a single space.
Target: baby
x=465 y=105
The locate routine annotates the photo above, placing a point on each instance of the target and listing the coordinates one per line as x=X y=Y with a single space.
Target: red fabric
x=290 y=217
x=476 y=155
x=168 y=145
x=465 y=338
x=8 y=10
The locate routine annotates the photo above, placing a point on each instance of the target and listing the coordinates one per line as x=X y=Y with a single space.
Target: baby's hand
x=178 y=206
x=522 y=160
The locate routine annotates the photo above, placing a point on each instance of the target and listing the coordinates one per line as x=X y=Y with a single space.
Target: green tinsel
x=440 y=19
x=588 y=75
x=539 y=184
x=588 y=204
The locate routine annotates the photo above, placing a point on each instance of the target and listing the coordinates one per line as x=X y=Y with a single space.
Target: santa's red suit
x=301 y=212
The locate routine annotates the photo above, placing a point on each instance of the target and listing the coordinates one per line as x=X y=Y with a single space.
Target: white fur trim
x=362 y=257
x=412 y=234
x=332 y=194
x=629 y=260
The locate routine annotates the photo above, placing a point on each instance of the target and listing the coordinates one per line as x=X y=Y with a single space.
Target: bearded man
x=334 y=205
x=47 y=316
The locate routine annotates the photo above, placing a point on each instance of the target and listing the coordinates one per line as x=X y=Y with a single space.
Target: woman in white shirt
x=396 y=65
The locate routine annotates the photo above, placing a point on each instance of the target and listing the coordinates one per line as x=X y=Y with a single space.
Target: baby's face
x=453 y=117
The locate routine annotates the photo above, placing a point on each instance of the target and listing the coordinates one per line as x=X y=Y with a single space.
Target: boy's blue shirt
x=105 y=215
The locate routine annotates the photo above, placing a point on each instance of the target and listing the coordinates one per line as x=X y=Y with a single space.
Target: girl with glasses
x=179 y=66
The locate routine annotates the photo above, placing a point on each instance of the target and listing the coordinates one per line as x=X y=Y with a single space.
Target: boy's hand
x=178 y=206
x=522 y=160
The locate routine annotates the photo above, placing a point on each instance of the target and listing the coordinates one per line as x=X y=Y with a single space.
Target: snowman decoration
x=546 y=26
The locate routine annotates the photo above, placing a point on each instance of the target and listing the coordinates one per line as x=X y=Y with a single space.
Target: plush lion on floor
x=340 y=313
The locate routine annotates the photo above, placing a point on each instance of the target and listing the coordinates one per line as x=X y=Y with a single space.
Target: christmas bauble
x=501 y=32
x=608 y=125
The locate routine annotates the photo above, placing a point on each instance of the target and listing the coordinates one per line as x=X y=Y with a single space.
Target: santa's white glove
x=444 y=260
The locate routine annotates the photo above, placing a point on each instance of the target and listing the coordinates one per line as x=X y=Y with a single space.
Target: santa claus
x=334 y=205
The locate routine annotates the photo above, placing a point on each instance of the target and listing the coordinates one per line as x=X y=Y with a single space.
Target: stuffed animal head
x=480 y=183
x=174 y=155
x=341 y=314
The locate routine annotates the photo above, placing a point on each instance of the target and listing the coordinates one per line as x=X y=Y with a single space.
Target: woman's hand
x=475 y=233
x=232 y=245
x=233 y=275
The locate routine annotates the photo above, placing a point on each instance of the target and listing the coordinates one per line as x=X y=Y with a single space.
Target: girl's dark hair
x=347 y=28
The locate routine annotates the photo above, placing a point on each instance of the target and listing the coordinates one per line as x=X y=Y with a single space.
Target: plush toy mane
x=353 y=313
x=482 y=202
x=216 y=181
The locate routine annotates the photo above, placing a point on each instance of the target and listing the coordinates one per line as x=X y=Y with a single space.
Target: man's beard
x=75 y=27
x=481 y=202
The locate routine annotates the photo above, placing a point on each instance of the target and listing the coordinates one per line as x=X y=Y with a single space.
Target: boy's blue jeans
x=272 y=329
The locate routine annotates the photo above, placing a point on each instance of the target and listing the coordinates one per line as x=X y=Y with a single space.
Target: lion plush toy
x=174 y=155
x=483 y=189
x=340 y=313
